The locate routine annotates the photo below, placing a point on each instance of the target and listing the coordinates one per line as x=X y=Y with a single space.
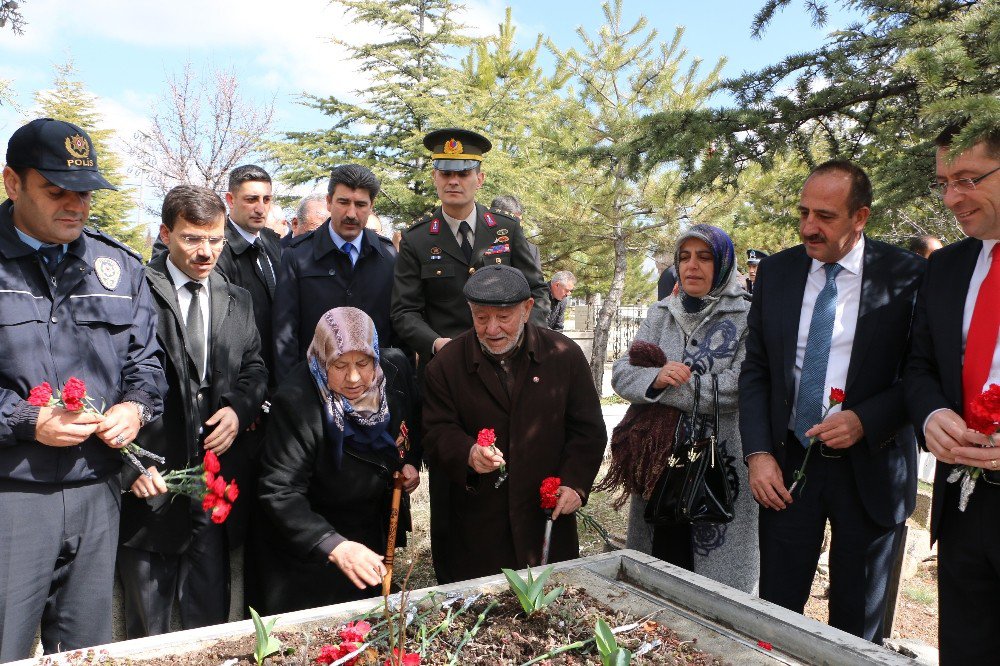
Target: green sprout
x=611 y=653
x=530 y=592
x=266 y=643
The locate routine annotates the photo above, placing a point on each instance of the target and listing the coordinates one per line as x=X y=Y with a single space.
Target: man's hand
x=227 y=425
x=977 y=450
x=121 y=425
x=411 y=478
x=362 y=566
x=673 y=373
x=143 y=487
x=839 y=430
x=483 y=460
x=58 y=427
x=439 y=343
x=945 y=431
x=766 y=482
x=568 y=501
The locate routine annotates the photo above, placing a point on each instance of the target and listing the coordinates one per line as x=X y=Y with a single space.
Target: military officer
x=753 y=260
x=439 y=253
x=73 y=302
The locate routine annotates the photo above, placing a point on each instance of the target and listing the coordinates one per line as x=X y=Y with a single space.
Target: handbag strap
x=715 y=396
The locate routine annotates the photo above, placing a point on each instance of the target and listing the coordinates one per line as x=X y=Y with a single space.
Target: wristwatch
x=145 y=414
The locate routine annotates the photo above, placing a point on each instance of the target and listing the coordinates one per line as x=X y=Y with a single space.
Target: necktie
x=51 y=255
x=466 y=231
x=809 y=404
x=349 y=251
x=981 y=342
x=264 y=264
x=195 y=327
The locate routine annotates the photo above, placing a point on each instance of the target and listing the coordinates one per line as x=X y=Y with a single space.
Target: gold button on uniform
x=472 y=270
x=439 y=272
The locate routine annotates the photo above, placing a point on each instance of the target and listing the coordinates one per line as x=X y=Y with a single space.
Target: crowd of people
x=324 y=369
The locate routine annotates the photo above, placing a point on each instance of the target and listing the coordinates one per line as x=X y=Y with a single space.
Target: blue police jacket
x=97 y=323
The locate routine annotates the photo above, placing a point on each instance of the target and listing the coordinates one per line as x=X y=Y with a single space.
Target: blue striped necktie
x=809 y=404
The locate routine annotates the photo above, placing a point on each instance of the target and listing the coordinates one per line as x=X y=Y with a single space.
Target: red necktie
x=982 y=340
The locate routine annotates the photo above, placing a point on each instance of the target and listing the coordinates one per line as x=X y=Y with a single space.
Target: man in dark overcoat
x=168 y=547
x=533 y=388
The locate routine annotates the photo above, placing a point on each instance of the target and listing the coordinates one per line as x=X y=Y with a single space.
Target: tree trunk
x=611 y=303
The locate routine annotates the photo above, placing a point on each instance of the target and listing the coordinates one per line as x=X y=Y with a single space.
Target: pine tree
x=876 y=92
x=71 y=102
x=409 y=96
x=622 y=74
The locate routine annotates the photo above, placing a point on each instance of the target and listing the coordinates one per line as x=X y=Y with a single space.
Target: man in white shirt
x=953 y=361
x=831 y=313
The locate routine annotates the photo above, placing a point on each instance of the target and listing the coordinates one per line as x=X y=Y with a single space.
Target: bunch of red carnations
x=204 y=484
x=549 y=492
x=984 y=417
x=73 y=398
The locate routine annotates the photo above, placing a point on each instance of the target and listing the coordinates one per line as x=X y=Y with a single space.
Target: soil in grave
x=506 y=636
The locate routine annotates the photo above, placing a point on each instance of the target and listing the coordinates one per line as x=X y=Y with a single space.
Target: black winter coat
x=311 y=506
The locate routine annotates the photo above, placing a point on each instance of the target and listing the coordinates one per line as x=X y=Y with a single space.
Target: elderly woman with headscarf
x=699 y=330
x=332 y=446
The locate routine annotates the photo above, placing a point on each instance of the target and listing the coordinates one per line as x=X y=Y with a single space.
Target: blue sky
x=123 y=50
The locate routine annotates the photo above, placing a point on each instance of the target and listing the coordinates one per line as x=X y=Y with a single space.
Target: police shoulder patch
x=113 y=242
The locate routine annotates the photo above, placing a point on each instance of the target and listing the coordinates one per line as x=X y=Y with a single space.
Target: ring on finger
x=119 y=440
x=993 y=463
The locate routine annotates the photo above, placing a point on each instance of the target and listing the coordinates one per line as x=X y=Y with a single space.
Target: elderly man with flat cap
x=73 y=303
x=532 y=387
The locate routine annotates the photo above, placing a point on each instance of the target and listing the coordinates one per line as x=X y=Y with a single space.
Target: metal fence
x=624 y=325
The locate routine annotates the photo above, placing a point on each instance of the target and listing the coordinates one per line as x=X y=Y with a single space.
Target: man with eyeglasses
x=169 y=548
x=953 y=360
x=73 y=303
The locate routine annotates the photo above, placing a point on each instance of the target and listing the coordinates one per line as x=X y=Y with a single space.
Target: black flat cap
x=60 y=151
x=498 y=285
x=455 y=149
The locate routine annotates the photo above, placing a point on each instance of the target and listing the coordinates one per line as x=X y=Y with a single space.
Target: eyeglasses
x=960 y=184
x=191 y=242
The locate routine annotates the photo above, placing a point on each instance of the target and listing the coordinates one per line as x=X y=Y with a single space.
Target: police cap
x=60 y=151
x=454 y=149
x=754 y=257
x=498 y=285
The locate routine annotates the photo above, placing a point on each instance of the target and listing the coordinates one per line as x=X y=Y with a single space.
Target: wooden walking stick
x=403 y=443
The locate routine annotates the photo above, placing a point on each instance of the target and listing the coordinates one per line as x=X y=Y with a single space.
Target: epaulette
x=113 y=242
x=503 y=213
x=424 y=220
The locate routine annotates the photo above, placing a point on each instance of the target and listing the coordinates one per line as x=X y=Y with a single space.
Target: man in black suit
x=833 y=312
x=169 y=549
x=252 y=253
x=953 y=359
x=340 y=264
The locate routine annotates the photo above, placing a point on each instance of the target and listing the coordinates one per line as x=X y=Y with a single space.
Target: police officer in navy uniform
x=73 y=303
x=753 y=260
x=436 y=257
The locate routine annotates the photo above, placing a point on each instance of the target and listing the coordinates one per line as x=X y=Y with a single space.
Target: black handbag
x=694 y=487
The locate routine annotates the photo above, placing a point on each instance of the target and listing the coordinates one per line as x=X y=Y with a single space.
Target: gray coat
x=727 y=553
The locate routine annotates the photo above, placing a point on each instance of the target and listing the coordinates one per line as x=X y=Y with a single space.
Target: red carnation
x=212 y=463
x=221 y=511
x=209 y=502
x=328 y=654
x=409 y=658
x=40 y=395
x=764 y=644
x=232 y=491
x=983 y=414
x=218 y=487
x=549 y=490
x=355 y=632
x=836 y=396
x=486 y=437
x=73 y=393
x=209 y=480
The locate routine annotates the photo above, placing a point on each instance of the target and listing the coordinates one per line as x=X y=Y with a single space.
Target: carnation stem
x=559 y=650
x=471 y=633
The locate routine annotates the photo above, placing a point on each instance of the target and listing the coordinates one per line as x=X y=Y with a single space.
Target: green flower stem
x=470 y=634
x=591 y=523
x=559 y=650
x=800 y=473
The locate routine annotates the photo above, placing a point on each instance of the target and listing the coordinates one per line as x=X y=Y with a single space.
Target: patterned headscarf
x=365 y=419
x=724 y=255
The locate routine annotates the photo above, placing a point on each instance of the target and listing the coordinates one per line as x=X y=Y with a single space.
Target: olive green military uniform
x=431 y=271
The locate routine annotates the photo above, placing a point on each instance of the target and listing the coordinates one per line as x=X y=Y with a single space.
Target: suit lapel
x=444 y=238
x=484 y=236
x=791 y=309
x=951 y=310
x=478 y=363
x=161 y=284
x=219 y=309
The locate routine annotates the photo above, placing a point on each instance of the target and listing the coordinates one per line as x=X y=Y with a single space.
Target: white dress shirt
x=179 y=278
x=844 y=323
x=454 y=223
